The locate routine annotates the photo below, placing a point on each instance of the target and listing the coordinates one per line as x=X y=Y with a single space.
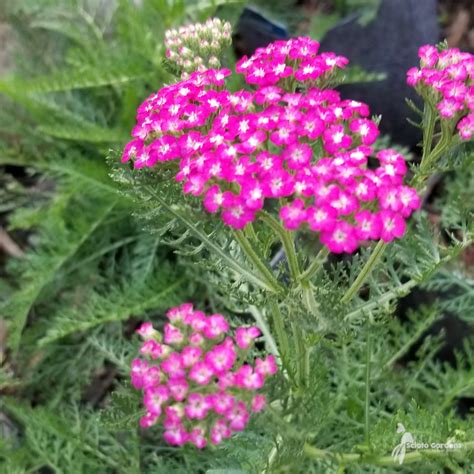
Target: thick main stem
x=365 y=272
x=287 y=242
x=258 y=263
x=279 y=328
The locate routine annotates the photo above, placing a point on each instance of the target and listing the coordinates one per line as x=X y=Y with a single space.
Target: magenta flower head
x=305 y=153
x=196 y=378
x=446 y=80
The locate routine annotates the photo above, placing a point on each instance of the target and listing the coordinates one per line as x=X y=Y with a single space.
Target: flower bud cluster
x=306 y=152
x=195 y=377
x=197 y=47
x=446 y=80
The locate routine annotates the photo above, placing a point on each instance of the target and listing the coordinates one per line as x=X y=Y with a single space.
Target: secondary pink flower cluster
x=305 y=153
x=447 y=79
x=195 y=378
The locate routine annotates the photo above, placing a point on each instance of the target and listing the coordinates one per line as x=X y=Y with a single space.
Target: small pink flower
x=236 y=214
x=266 y=366
x=198 y=438
x=238 y=417
x=268 y=95
x=152 y=349
x=294 y=214
x=466 y=127
x=298 y=156
x=226 y=380
x=366 y=129
x=428 y=55
x=180 y=313
x=178 y=388
x=368 y=225
x=284 y=135
x=196 y=339
x=132 y=150
x=247 y=378
x=321 y=218
x=392 y=225
x=173 y=366
x=172 y=335
x=139 y=369
x=197 y=320
x=245 y=336
x=335 y=139
x=220 y=431
x=146 y=331
x=341 y=239
x=214 y=199
x=414 y=76
x=221 y=402
x=197 y=406
x=148 y=420
x=258 y=403
x=190 y=355
x=154 y=398
x=222 y=357
x=216 y=326
x=176 y=436
x=344 y=203
x=201 y=373
x=409 y=200
x=448 y=108
x=253 y=194
x=151 y=377
x=389 y=198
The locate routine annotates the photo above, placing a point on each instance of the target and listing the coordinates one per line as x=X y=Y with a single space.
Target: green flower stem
x=279 y=328
x=270 y=342
x=307 y=294
x=258 y=263
x=383 y=299
x=367 y=388
x=311 y=304
x=287 y=242
x=351 y=458
x=374 y=258
x=250 y=232
x=211 y=246
x=302 y=357
x=315 y=265
x=429 y=119
x=430 y=155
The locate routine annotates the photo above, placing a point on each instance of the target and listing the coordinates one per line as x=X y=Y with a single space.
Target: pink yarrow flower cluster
x=446 y=78
x=195 y=377
x=305 y=153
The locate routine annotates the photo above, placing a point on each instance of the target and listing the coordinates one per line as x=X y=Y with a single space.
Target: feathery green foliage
x=108 y=247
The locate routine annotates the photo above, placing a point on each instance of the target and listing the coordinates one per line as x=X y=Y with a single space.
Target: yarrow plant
x=197 y=47
x=445 y=80
x=237 y=185
x=196 y=378
x=284 y=153
x=287 y=143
